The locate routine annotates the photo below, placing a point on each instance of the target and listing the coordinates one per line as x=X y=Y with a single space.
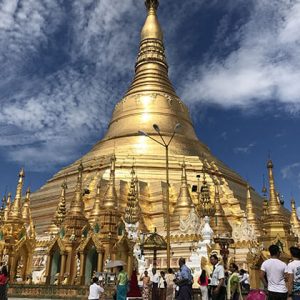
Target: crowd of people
x=281 y=281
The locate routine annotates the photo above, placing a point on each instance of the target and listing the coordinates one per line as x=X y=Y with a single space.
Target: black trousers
x=277 y=296
x=221 y=295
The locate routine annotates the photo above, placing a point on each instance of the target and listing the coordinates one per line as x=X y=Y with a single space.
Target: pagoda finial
x=294 y=218
x=26 y=207
x=274 y=206
x=2 y=209
x=249 y=205
x=15 y=211
x=61 y=210
x=184 y=201
x=77 y=202
x=110 y=199
x=152 y=4
x=132 y=209
x=7 y=207
x=97 y=207
x=219 y=222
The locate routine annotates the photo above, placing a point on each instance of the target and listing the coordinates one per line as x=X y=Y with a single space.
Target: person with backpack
x=274 y=269
x=293 y=274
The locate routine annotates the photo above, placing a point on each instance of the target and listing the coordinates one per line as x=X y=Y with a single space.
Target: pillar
x=48 y=268
x=100 y=262
x=82 y=268
x=62 y=267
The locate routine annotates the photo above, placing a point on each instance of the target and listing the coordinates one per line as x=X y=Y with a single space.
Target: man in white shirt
x=154 y=278
x=293 y=271
x=273 y=270
x=95 y=290
x=217 y=283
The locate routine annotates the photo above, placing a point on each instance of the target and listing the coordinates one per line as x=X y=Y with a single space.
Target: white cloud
x=245 y=149
x=262 y=65
x=291 y=171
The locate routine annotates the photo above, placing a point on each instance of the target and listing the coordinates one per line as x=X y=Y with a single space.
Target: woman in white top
x=162 y=286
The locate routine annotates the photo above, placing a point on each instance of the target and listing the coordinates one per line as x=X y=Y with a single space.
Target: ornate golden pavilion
x=80 y=213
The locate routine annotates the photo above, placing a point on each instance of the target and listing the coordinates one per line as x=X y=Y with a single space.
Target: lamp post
x=166 y=146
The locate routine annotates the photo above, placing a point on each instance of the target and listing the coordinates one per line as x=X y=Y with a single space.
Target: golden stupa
x=151 y=99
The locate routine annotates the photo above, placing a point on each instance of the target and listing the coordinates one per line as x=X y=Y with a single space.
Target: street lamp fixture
x=165 y=144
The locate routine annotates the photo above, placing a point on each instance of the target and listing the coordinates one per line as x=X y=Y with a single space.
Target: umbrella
x=114 y=263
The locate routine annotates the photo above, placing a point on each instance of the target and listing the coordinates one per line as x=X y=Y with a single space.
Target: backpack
x=256 y=295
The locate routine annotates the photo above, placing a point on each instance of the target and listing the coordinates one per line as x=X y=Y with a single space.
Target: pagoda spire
x=95 y=213
x=2 y=209
x=250 y=215
x=61 y=210
x=7 y=207
x=274 y=206
x=219 y=222
x=15 y=211
x=26 y=215
x=76 y=207
x=294 y=218
x=151 y=66
x=132 y=209
x=184 y=200
x=110 y=200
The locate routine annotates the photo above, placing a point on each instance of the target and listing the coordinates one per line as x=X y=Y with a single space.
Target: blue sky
x=65 y=64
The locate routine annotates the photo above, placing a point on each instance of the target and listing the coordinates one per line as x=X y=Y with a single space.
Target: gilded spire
x=2 y=209
x=205 y=207
x=96 y=208
x=249 y=206
x=132 y=209
x=61 y=210
x=294 y=218
x=219 y=221
x=151 y=28
x=76 y=207
x=7 y=207
x=151 y=69
x=250 y=215
x=110 y=199
x=15 y=211
x=184 y=200
x=26 y=215
x=274 y=206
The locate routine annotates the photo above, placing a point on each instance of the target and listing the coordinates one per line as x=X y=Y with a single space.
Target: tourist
x=184 y=281
x=154 y=280
x=233 y=285
x=170 y=277
x=122 y=281
x=146 y=286
x=274 y=270
x=217 y=284
x=203 y=282
x=293 y=273
x=95 y=290
x=162 y=286
x=3 y=283
x=244 y=280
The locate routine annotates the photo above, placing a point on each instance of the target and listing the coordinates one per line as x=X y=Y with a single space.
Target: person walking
x=146 y=286
x=273 y=269
x=3 y=283
x=95 y=290
x=293 y=275
x=162 y=286
x=218 y=289
x=185 y=281
x=203 y=282
x=122 y=283
x=170 y=277
x=233 y=285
